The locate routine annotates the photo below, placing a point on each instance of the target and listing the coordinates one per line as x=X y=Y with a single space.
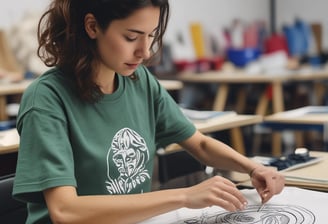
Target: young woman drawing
x=90 y=126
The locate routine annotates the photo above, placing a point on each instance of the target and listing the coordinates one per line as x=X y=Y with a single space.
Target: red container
x=275 y=43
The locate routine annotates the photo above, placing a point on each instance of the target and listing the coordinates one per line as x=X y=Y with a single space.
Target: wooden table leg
x=277 y=97
x=319 y=92
x=278 y=106
x=299 y=139
x=221 y=97
x=262 y=106
x=276 y=144
x=219 y=105
x=3 y=106
x=241 y=100
x=237 y=140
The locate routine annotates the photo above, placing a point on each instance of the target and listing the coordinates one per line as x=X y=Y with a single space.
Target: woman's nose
x=143 y=50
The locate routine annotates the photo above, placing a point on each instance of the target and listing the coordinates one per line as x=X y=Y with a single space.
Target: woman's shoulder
x=51 y=79
x=46 y=94
x=46 y=88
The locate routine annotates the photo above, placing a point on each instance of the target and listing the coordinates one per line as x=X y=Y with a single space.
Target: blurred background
x=197 y=29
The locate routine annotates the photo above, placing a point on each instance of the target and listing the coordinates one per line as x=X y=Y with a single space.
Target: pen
x=260 y=208
x=265 y=193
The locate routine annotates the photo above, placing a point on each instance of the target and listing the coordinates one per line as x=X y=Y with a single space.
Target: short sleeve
x=45 y=158
x=172 y=125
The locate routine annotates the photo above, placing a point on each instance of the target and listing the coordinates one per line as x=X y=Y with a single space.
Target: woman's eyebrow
x=139 y=31
x=136 y=31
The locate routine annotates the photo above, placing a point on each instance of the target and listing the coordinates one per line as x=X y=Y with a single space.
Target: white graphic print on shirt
x=129 y=153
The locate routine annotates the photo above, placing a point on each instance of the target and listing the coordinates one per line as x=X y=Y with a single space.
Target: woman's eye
x=130 y=38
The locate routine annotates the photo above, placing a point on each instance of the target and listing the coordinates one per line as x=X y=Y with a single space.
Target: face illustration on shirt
x=126 y=160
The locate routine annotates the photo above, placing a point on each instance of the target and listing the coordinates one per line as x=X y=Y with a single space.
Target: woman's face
x=125 y=44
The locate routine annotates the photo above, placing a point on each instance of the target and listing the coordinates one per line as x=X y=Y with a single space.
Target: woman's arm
x=65 y=206
x=212 y=152
x=217 y=154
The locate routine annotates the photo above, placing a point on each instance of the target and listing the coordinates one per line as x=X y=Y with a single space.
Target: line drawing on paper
x=269 y=214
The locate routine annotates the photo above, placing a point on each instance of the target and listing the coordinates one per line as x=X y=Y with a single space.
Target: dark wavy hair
x=64 y=43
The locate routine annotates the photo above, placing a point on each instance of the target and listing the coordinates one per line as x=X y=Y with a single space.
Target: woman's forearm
x=219 y=155
x=66 y=207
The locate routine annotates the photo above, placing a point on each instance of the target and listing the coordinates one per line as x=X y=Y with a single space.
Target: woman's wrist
x=251 y=173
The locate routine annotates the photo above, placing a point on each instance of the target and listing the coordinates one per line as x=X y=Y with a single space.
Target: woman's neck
x=107 y=82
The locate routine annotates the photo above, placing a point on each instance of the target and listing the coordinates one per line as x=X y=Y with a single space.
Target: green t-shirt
x=103 y=148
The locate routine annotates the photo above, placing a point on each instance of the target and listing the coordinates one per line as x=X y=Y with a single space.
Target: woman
x=90 y=126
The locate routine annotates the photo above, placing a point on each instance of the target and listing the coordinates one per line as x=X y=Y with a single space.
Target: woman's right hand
x=217 y=191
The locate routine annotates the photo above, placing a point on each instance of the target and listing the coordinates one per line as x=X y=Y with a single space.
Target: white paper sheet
x=9 y=137
x=293 y=205
x=205 y=115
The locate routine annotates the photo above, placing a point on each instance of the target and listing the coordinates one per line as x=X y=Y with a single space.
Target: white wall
x=13 y=11
x=310 y=10
x=215 y=14
x=212 y=13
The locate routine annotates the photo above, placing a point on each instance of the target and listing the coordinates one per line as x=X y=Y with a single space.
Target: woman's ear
x=90 y=25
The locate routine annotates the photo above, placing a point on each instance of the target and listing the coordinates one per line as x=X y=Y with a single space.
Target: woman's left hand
x=267 y=182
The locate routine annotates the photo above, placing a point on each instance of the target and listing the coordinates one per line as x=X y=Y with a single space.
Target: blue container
x=5 y=125
x=242 y=56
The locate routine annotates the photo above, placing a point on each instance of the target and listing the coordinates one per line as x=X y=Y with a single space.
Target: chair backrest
x=11 y=210
x=176 y=163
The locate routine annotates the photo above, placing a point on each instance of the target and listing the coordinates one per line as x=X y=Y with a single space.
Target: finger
x=227 y=191
x=228 y=202
x=233 y=190
x=234 y=198
x=228 y=182
x=226 y=205
x=237 y=193
x=266 y=196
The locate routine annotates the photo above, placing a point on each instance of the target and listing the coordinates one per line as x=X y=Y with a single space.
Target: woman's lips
x=132 y=66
